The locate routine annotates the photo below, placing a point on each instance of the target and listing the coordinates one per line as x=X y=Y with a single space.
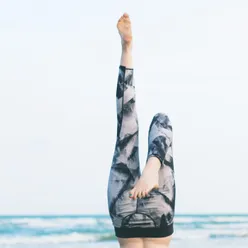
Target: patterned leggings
x=153 y=215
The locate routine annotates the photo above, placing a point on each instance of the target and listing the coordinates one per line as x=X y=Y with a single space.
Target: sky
x=58 y=72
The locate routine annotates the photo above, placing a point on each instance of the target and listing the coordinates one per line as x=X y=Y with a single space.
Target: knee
x=162 y=118
x=161 y=115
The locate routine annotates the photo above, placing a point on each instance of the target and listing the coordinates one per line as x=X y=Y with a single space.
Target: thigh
x=157 y=242
x=130 y=242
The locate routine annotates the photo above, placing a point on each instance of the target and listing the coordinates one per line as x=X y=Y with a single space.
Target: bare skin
x=149 y=177
x=125 y=31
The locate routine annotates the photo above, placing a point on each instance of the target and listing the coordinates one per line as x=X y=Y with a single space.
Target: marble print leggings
x=153 y=215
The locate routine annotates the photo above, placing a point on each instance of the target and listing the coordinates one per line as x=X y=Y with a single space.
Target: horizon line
x=106 y=214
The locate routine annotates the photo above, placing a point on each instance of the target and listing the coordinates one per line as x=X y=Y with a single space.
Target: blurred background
x=58 y=72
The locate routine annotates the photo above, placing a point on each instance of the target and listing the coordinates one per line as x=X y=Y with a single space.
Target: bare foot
x=148 y=179
x=125 y=30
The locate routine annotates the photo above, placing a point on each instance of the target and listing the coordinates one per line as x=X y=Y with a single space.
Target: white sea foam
x=107 y=222
x=190 y=234
x=209 y=218
x=179 y=219
x=226 y=226
x=54 y=222
x=230 y=219
x=211 y=233
x=59 y=230
x=85 y=238
x=53 y=239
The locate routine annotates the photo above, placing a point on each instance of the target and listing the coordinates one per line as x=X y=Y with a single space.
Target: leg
x=159 y=172
x=159 y=142
x=125 y=169
x=159 y=153
x=131 y=242
x=160 y=150
x=157 y=242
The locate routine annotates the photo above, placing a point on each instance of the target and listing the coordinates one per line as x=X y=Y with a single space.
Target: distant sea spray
x=34 y=230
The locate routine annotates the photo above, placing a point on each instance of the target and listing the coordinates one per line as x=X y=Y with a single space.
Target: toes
x=146 y=193
x=126 y=18
x=121 y=19
x=156 y=186
x=135 y=194
x=139 y=194
x=143 y=194
x=131 y=193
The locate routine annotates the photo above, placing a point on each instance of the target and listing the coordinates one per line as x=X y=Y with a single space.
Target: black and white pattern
x=157 y=209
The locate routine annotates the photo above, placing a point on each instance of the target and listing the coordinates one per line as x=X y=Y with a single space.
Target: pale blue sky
x=59 y=65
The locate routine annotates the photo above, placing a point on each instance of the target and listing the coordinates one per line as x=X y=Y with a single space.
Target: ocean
x=88 y=231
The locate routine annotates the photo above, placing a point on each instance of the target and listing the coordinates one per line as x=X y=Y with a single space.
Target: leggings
x=151 y=216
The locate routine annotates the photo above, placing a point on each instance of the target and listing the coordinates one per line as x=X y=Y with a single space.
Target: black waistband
x=139 y=232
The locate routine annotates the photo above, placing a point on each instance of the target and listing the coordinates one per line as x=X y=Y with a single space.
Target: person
x=141 y=206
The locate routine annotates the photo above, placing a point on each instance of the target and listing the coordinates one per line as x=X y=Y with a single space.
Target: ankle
x=153 y=163
x=127 y=47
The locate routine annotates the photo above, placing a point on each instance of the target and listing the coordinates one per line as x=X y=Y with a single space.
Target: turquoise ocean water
x=97 y=231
